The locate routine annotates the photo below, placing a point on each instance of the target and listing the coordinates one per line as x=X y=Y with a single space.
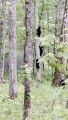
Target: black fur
x=38 y=31
x=37 y=64
x=62 y=83
x=41 y=50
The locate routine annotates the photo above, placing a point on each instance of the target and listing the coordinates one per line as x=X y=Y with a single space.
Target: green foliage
x=20 y=24
x=10 y=109
x=47 y=40
x=6 y=77
x=23 y=73
x=21 y=76
x=47 y=103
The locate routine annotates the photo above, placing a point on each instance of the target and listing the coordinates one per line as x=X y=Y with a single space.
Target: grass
x=47 y=103
x=10 y=109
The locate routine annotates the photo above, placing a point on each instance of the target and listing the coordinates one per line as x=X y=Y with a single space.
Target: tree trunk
x=38 y=65
x=28 y=57
x=12 y=50
x=59 y=75
x=1 y=41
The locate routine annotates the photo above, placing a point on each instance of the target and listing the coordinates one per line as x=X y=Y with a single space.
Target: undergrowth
x=47 y=103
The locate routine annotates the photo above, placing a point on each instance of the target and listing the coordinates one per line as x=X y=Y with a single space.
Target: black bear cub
x=62 y=83
x=38 y=31
x=63 y=80
x=41 y=50
x=37 y=64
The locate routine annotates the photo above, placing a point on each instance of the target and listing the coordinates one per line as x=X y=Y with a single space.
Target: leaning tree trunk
x=1 y=41
x=37 y=29
x=28 y=57
x=12 y=50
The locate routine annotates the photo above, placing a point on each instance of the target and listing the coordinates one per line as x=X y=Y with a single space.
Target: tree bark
x=59 y=75
x=36 y=19
x=28 y=57
x=1 y=41
x=12 y=50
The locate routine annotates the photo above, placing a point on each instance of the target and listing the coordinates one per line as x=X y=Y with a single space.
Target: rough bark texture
x=65 y=21
x=28 y=57
x=64 y=18
x=1 y=41
x=59 y=75
x=65 y=25
x=38 y=70
x=12 y=50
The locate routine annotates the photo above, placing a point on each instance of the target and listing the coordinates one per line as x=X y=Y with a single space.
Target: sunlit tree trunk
x=12 y=50
x=28 y=58
x=36 y=20
x=1 y=41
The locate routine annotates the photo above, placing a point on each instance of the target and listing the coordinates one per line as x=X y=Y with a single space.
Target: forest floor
x=47 y=103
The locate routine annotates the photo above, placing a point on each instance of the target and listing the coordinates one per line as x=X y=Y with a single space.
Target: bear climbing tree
x=38 y=33
x=41 y=50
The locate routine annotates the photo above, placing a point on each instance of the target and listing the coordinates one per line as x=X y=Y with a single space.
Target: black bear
x=41 y=50
x=38 y=31
x=62 y=83
x=37 y=64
